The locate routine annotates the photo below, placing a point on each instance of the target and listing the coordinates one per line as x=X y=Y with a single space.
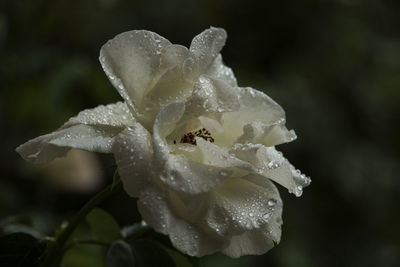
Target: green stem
x=55 y=249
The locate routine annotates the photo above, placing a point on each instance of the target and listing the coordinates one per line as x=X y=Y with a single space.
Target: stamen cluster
x=190 y=137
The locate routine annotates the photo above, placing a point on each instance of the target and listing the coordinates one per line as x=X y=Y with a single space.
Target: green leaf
x=179 y=259
x=148 y=253
x=88 y=255
x=103 y=226
x=119 y=255
x=20 y=249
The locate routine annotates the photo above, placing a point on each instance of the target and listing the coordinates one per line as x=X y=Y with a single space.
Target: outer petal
x=260 y=239
x=240 y=205
x=132 y=63
x=115 y=115
x=133 y=154
x=255 y=106
x=269 y=134
x=92 y=130
x=254 y=242
x=185 y=236
x=219 y=71
x=184 y=68
x=221 y=220
x=172 y=86
x=270 y=163
x=205 y=47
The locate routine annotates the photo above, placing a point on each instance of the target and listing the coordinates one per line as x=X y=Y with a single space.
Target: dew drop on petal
x=271 y=202
x=223 y=173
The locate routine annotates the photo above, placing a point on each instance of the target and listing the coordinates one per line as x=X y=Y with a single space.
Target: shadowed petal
x=133 y=154
x=92 y=130
x=185 y=236
x=271 y=164
x=255 y=106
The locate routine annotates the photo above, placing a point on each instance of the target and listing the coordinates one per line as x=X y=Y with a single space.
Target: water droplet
x=298 y=191
x=223 y=173
x=270 y=164
x=271 y=202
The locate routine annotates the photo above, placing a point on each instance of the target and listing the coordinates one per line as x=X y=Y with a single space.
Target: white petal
x=259 y=240
x=116 y=115
x=132 y=63
x=207 y=104
x=241 y=205
x=166 y=122
x=152 y=205
x=205 y=47
x=268 y=134
x=211 y=96
x=193 y=241
x=172 y=86
x=255 y=106
x=184 y=235
x=220 y=229
x=175 y=170
x=254 y=242
x=133 y=154
x=47 y=147
x=270 y=163
x=219 y=71
x=214 y=155
x=92 y=130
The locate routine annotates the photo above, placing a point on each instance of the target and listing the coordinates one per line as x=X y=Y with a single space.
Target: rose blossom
x=197 y=150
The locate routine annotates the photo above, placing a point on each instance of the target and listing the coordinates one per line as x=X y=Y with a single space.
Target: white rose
x=195 y=149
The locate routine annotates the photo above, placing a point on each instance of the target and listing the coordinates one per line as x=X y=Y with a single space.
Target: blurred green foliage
x=334 y=65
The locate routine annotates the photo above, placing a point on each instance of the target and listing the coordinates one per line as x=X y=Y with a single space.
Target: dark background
x=333 y=65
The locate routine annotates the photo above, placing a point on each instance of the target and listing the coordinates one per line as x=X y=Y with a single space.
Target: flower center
x=190 y=137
